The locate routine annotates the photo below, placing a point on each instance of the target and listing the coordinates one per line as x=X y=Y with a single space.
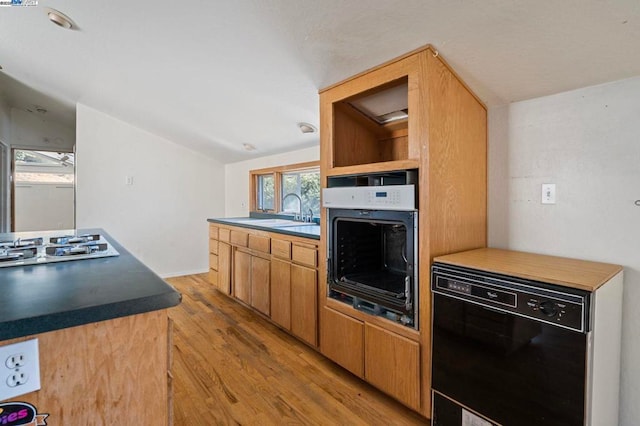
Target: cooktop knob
x=548 y=308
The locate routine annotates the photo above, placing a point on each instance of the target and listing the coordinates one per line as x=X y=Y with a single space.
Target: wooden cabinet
x=242 y=276
x=213 y=255
x=260 y=279
x=385 y=359
x=304 y=303
x=342 y=340
x=392 y=364
x=219 y=261
x=224 y=267
x=281 y=292
x=276 y=274
x=439 y=127
x=251 y=278
x=294 y=289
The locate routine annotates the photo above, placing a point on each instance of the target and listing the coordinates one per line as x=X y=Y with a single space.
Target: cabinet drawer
x=213 y=232
x=281 y=248
x=260 y=243
x=238 y=238
x=213 y=246
x=213 y=261
x=304 y=256
x=224 y=235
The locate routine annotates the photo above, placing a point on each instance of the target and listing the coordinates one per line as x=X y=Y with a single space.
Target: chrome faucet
x=299 y=215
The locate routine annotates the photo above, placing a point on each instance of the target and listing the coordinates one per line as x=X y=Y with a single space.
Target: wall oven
x=372 y=245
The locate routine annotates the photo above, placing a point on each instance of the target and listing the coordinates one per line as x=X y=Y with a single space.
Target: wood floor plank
x=231 y=366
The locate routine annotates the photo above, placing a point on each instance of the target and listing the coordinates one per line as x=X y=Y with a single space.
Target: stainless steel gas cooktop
x=32 y=248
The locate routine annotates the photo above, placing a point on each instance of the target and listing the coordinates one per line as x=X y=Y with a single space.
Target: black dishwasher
x=507 y=351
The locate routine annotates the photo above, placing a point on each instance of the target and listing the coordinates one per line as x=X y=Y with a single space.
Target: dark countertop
x=303 y=230
x=47 y=297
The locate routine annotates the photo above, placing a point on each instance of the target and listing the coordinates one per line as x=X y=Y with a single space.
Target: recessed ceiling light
x=307 y=128
x=248 y=147
x=60 y=19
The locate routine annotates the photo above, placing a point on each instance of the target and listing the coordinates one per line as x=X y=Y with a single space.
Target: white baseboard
x=183 y=273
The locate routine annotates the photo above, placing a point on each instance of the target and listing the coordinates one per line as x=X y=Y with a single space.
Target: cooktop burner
x=53 y=247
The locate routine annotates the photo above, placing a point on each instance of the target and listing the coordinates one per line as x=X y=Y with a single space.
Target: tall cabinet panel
x=281 y=292
x=260 y=277
x=304 y=296
x=242 y=276
x=224 y=267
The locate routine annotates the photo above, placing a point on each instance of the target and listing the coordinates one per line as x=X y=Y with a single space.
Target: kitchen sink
x=274 y=223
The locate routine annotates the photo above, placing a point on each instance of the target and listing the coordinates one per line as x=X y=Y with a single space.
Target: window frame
x=277 y=173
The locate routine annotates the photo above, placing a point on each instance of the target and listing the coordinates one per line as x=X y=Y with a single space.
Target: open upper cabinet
x=383 y=118
x=371 y=127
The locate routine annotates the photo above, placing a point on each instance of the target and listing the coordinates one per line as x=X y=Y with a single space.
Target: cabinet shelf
x=386 y=166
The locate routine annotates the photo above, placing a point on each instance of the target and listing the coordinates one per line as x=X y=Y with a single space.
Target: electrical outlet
x=17 y=378
x=15 y=360
x=19 y=369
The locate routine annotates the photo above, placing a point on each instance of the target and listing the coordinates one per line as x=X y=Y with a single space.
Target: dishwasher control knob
x=548 y=308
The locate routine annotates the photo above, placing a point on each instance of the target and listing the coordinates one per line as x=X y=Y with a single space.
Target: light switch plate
x=548 y=193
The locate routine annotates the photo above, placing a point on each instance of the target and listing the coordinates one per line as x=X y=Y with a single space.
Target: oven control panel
x=538 y=301
x=388 y=197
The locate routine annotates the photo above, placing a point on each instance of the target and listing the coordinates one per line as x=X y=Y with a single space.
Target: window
x=282 y=189
x=306 y=185
x=43 y=167
x=266 y=192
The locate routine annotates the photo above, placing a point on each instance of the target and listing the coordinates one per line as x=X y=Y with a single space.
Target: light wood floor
x=231 y=366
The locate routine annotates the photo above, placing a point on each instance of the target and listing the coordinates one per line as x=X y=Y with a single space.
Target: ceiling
x=216 y=74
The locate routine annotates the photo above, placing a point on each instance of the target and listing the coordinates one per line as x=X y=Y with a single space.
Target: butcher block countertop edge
x=574 y=273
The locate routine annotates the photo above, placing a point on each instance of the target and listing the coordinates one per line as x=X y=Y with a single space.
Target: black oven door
x=510 y=369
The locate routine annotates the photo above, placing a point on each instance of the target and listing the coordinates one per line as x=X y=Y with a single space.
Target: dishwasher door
x=505 y=352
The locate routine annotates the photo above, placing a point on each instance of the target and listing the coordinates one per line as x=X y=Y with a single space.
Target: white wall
x=5 y=165
x=44 y=206
x=161 y=218
x=5 y=122
x=237 y=176
x=587 y=143
x=33 y=131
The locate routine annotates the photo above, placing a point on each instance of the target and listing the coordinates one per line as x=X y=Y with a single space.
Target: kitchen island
x=103 y=335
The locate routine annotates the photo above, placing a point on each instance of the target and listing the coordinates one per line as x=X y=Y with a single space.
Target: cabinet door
x=281 y=292
x=260 y=277
x=392 y=364
x=342 y=340
x=224 y=268
x=304 y=306
x=242 y=276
